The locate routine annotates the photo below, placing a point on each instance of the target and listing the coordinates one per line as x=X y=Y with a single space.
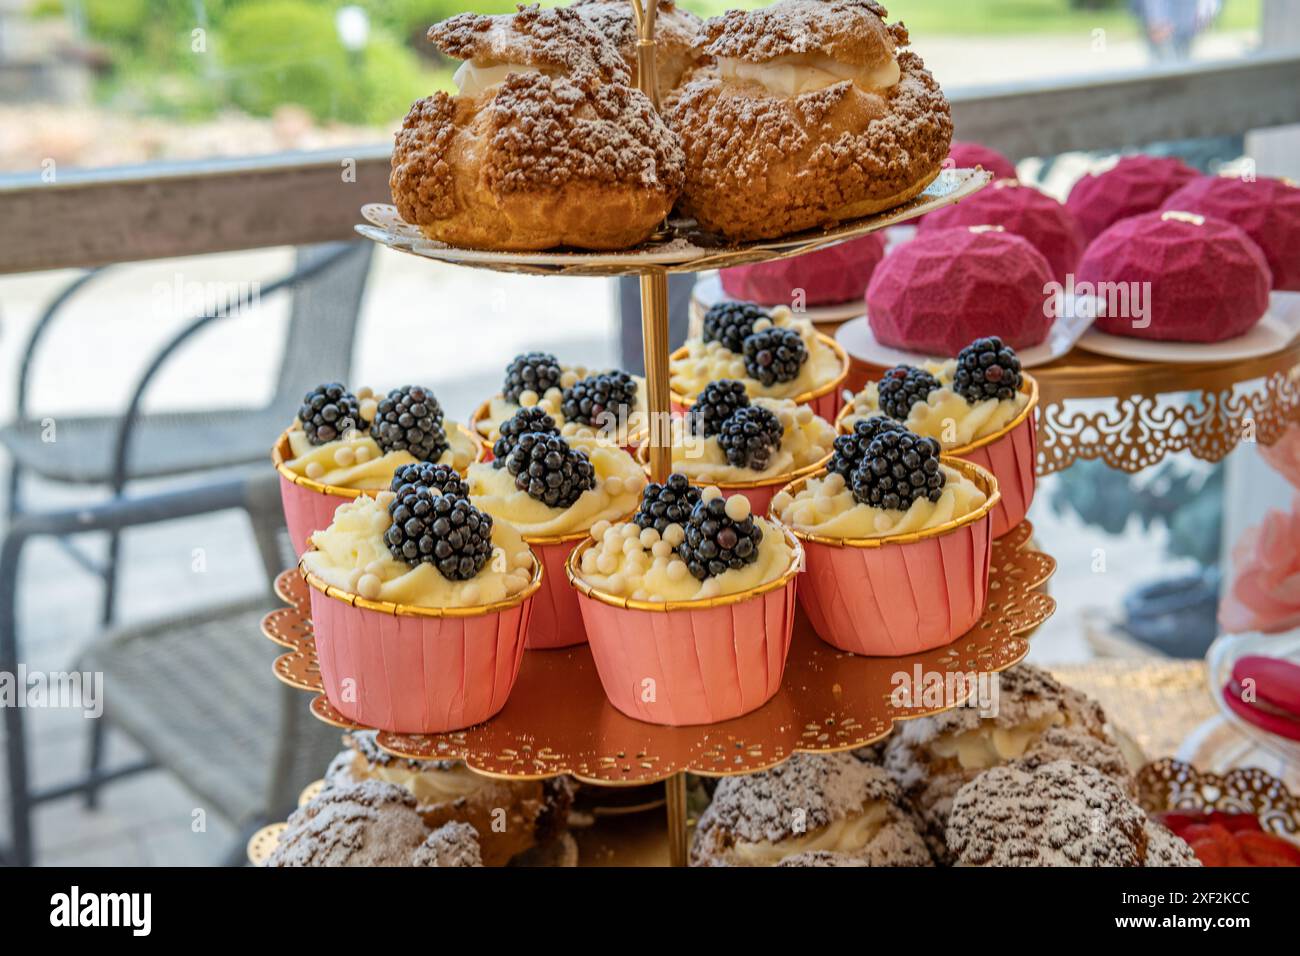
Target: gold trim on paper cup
x=803 y=398
x=643 y=459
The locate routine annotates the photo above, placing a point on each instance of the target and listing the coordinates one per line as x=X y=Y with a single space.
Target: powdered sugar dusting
x=850 y=31
x=367 y=824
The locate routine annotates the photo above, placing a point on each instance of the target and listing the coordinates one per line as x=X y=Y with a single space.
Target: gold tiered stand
x=557 y=719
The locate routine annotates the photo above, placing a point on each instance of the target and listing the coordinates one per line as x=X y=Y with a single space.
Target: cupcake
x=371 y=823
x=420 y=603
x=553 y=490
x=775 y=353
x=1134 y=185
x=979 y=406
x=1057 y=814
x=747 y=447
x=812 y=810
x=341 y=445
x=947 y=286
x=898 y=543
x=1036 y=718
x=578 y=402
x=511 y=816
x=689 y=606
x=828 y=276
x=1201 y=279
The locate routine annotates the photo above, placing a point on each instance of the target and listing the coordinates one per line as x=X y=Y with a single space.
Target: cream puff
x=811 y=115
x=1056 y=814
x=811 y=810
x=546 y=143
x=676 y=31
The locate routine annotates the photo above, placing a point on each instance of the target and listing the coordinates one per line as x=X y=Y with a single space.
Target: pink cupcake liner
x=1013 y=460
x=307 y=511
x=417 y=674
x=887 y=598
x=557 y=621
x=695 y=663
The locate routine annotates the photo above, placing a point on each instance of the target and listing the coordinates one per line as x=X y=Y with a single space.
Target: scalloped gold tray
x=683 y=249
x=1170 y=784
x=558 y=721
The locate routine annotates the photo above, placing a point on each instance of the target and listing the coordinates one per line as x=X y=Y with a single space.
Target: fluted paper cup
x=1010 y=453
x=557 y=620
x=310 y=505
x=759 y=493
x=416 y=670
x=905 y=593
x=484 y=412
x=825 y=400
x=690 y=662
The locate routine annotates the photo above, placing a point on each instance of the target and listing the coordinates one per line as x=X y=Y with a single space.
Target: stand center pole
x=654 y=338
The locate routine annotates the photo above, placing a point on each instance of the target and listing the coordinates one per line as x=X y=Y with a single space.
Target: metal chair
x=114 y=450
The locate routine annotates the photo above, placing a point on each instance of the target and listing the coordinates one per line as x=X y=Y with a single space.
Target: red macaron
x=1265 y=691
x=829 y=276
x=1267 y=210
x=1136 y=184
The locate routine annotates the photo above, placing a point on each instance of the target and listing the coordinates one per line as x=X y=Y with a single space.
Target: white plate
x=1275 y=331
x=708 y=292
x=858 y=340
x=1219 y=661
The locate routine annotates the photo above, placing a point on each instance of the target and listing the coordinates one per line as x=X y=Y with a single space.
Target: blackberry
x=521 y=423
x=850 y=449
x=410 y=419
x=669 y=503
x=531 y=371
x=549 y=470
x=603 y=400
x=716 y=403
x=731 y=322
x=775 y=355
x=902 y=387
x=715 y=542
x=328 y=412
x=750 y=436
x=987 y=369
x=897 y=469
x=443 y=530
x=426 y=474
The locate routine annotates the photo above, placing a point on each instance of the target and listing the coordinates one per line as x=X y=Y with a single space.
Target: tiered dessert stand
x=557 y=720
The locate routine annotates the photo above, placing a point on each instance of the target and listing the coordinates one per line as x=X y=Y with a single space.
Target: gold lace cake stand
x=829 y=701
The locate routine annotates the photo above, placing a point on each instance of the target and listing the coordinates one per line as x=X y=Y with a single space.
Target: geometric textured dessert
x=946 y=287
x=1200 y=279
x=676 y=31
x=1024 y=211
x=371 y=823
x=812 y=810
x=811 y=114
x=1267 y=210
x=829 y=276
x=546 y=144
x=965 y=154
x=1136 y=184
x=1056 y=814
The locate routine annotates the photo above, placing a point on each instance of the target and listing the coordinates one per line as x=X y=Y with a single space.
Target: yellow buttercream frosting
x=847 y=834
x=826 y=507
x=619 y=480
x=357 y=462
x=500 y=410
x=805 y=440
x=351 y=554
x=706 y=362
x=945 y=415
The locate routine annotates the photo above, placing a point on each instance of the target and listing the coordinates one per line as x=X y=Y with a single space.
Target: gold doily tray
x=684 y=249
x=557 y=719
x=1170 y=784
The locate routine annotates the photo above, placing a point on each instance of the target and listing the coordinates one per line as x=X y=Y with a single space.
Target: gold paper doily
x=1173 y=785
x=684 y=250
x=558 y=721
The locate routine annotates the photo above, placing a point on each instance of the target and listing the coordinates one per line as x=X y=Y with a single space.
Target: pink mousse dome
x=828 y=276
x=1267 y=210
x=1208 y=280
x=1137 y=184
x=968 y=155
x=1025 y=211
x=948 y=287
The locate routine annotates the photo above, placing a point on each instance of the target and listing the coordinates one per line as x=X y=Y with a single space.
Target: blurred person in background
x=1170 y=26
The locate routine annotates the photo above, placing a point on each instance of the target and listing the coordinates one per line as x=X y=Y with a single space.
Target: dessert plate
x=708 y=292
x=683 y=248
x=1073 y=321
x=1219 y=660
x=1274 y=332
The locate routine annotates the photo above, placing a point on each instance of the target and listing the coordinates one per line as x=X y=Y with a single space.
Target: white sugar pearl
x=677 y=570
x=762 y=324
x=599 y=528
x=314 y=469
x=344 y=458
x=471 y=593
x=674 y=534
x=803 y=414
x=568 y=379
x=612 y=536
x=606 y=563
x=616 y=584
x=614 y=486
x=528 y=398
x=630 y=530
x=365 y=392
x=553 y=394
x=589 y=559
x=782 y=501
x=362 y=454
x=737 y=508
x=711 y=492
x=649 y=537
x=368 y=586
x=369 y=409
x=804 y=514
x=550 y=405
x=661 y=549
x=632 y=546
